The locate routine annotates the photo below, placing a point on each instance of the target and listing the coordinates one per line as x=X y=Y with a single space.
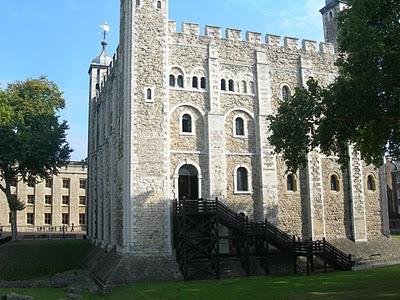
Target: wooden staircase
x=198 y=236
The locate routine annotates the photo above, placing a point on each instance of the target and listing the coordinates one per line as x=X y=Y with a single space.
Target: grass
x=395 y=236
x=40 y=294
x=372 y=284
x=35 y=259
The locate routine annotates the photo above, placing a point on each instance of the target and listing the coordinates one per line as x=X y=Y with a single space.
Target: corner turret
x=98 y=67
x=329 y=17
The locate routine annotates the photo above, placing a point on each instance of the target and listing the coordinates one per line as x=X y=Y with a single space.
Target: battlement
x=215 y=32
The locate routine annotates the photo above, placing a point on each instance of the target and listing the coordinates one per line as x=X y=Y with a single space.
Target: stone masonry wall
x=372 y=202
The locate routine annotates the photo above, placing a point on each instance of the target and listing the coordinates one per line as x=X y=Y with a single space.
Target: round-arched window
x=223 y=85
x=242 y=180
x=195 y=82
x=186 y=123
x=285 y=93
x=239 y=127
x=180 y=81
x=334 y=183
x=371 y=183
x=231 y=85
x=291 y=183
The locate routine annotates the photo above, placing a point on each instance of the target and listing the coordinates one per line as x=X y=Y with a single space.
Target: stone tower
x=329 y=15
x=97 y=72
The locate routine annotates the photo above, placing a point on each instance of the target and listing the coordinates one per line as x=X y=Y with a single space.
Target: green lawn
x=372 y=284
x=396 y=237
x=33 y=259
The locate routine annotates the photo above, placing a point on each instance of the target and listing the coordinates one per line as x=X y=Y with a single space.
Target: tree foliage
x=362 y=106
x=32 y=139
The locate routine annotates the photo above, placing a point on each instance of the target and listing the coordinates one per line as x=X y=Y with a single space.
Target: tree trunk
x=14 y=205
x=14 y=230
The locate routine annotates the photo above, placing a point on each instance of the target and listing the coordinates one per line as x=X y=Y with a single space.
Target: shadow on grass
x=35 y=259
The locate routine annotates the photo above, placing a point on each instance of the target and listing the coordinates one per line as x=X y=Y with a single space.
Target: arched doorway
x=188 y=182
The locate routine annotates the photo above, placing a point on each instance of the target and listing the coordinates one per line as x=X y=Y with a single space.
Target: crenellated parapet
x=110 y=71
x=215 y=32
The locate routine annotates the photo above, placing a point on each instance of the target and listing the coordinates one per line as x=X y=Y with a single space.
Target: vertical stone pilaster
x=315 y=196
x=315 y=192
x=269 y=178
x=216 y=129
x=384 y=201
x=357 y=196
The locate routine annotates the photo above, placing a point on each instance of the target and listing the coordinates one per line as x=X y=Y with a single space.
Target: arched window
x=149 y=94
x=239 y=127
x=291 y=183
x=242 y=183
x=330 y=15
x=285 y=93
x=203 y=83
x=371 y=183
x=180 y=81
x=252 y=88
x=172 y=80
x=137 y=2
x=195 y=82
x=223 y=85
x=186 y=123
x=334 y=183
x=243 y=87
x=231 y=84
x=159 y=4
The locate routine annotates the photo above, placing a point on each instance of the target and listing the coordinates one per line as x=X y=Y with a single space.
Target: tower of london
x=176 y=114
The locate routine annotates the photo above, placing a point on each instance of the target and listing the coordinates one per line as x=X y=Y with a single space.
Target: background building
x=51 y=203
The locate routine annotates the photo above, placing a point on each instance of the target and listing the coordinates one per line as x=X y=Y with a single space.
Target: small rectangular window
x=49 y=183
x=82 y=183
x=47 y=219
x=65 y=200
x=31 y=199
x=65 y=219
x=30 y=218
x=82 y=219
x=82 y=200
x=48 y=199
x=66 y=183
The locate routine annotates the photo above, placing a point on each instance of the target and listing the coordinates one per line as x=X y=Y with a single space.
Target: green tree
x=362 y=106
x=32 y=140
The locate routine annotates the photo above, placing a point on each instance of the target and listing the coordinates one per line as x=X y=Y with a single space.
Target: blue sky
x=59 y=38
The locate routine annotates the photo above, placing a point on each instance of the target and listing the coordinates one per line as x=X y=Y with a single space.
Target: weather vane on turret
x=106 y=29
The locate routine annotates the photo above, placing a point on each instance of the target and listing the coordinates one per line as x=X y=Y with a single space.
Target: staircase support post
x=324 y=251
x=218 y=271
x=184 y=238
x=294 y=254
x=311 y=247
x=247 y=247
x=267 y=248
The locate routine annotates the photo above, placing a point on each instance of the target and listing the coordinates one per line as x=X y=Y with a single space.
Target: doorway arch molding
x=176 y=176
